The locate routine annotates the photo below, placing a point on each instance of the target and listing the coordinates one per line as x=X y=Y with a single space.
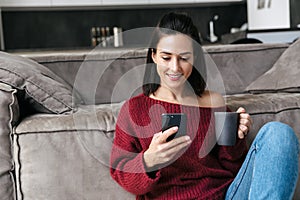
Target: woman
x=149 y=166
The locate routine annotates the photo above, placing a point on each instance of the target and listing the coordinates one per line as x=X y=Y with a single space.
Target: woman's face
x=174 y=58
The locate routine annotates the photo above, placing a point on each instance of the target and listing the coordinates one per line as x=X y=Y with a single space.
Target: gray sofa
x=58 y=116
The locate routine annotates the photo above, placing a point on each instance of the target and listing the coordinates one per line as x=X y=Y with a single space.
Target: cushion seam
x=275 y=112
x=62 y=131
x=20 y=167
x=279 y=90
x=92 y=60
x=245 y=51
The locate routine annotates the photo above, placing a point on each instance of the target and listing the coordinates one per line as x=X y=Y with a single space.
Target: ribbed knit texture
x=196 y=174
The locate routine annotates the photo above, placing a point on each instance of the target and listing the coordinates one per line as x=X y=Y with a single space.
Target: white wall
x=268 y=14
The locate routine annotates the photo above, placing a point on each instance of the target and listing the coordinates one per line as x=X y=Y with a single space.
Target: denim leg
x=270 y=170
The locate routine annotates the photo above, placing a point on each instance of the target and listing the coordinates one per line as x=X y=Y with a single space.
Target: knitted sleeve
x=127 y=165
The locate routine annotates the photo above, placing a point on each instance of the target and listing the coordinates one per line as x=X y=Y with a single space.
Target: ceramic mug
x=226 y=127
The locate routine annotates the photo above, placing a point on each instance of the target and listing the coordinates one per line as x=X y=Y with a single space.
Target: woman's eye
x=184 y=58
x=166 y=58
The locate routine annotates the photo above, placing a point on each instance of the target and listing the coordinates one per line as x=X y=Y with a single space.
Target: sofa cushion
x=241 y=64
x=283 y=76
x=105 y=70
x=8 y=118
x=44 y=90
x=70 y=155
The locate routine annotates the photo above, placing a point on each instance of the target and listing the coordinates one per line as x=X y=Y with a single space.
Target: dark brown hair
x=171 y=24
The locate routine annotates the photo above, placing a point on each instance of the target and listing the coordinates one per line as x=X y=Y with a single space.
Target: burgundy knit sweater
x=204 y=171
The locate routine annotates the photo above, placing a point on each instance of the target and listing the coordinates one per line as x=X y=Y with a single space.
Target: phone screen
x=174 y=119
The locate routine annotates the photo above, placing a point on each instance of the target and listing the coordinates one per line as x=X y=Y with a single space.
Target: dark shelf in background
x=63 y=29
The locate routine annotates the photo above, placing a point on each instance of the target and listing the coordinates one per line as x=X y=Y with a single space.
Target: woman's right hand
x=161 y=152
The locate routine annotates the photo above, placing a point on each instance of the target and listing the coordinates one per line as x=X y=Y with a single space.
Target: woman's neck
x=185 y=97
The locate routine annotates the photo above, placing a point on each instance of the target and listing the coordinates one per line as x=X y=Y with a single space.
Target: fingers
x=175 y=144
x=179 y=143
x=243 y=131
x=173 y=149
x=162 y=152
x=168 y=133
x=161 y=137
x=245 y=123
x=241 y=110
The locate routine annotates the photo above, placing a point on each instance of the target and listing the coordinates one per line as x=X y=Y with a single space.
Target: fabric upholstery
x=239 y=65
x=268 y=107
x=70 y=155
x=104 y=70
x=283 y=76
x=45 y=91
x=8 y=118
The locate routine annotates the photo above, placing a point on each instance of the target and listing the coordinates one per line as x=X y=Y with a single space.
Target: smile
x=174 y=77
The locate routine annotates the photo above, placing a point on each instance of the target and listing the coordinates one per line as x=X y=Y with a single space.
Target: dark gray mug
x=226 y=127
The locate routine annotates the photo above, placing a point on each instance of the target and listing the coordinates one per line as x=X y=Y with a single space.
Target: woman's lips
x=174 y=77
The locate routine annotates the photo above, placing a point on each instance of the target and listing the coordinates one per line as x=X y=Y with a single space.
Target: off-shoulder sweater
x=204 y=171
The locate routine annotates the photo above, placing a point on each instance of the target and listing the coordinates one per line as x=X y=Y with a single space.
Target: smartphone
x=174 y=119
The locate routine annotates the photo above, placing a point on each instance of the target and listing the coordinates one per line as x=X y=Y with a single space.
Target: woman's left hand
x=245 y=123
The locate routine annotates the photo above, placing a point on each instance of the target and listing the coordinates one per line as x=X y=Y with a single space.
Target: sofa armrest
x=67 y=156
x=9 y=115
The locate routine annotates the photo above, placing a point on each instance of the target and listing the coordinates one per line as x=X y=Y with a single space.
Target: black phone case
x=174 y=119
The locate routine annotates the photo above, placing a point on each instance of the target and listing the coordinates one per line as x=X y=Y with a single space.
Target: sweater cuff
x=146 y=178
x=153 y=174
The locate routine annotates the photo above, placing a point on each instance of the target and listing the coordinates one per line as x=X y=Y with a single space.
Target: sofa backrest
x=241 y=64
x=113 y=75
x=98 y=74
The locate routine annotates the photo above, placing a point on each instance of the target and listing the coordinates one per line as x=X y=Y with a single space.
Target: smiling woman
x=146 y=163
x=181 y=39
x=174 y=59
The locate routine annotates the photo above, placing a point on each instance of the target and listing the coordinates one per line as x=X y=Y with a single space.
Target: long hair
x=171 y=24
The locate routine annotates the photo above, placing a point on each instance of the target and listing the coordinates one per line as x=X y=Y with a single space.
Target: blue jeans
x=270 y=170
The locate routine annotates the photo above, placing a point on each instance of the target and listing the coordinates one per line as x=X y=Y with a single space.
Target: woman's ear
x=153 y=55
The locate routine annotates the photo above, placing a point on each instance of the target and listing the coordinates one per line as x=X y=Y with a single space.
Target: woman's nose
x=174 y=65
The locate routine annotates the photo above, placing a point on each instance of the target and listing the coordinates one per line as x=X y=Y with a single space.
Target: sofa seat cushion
x=268 y=107
x=92 y=117
x=67 y=156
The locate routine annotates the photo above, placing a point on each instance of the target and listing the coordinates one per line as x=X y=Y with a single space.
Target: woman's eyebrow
x=180 y=54
x=185 y=53
x=165 y=52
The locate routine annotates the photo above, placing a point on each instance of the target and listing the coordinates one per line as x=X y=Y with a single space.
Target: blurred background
x=75 y=24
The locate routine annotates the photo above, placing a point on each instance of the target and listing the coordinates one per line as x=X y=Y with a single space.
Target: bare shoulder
x=211 y=99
